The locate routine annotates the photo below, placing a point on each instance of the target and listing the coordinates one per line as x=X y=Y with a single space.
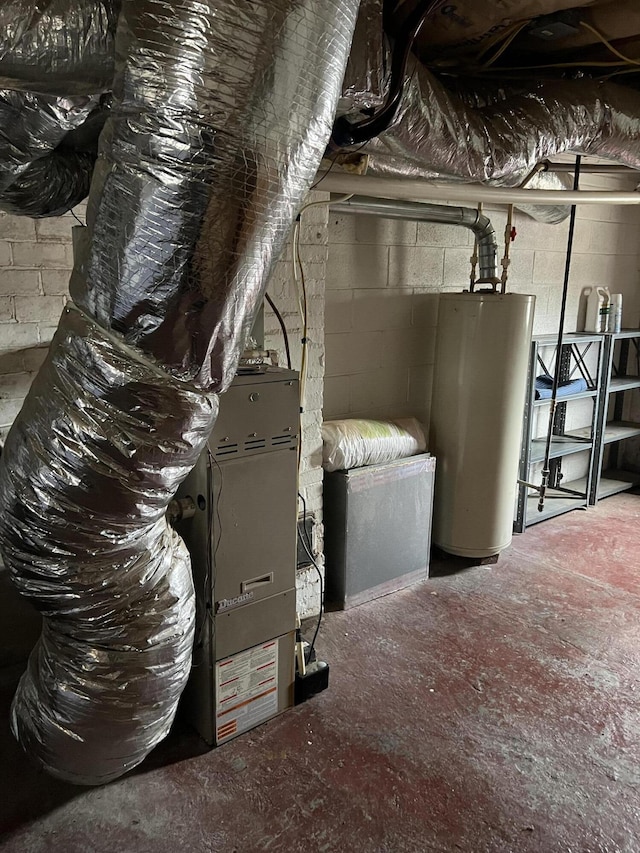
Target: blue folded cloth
x=544 y=387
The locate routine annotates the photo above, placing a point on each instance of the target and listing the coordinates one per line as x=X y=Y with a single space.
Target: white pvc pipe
x=422 y=190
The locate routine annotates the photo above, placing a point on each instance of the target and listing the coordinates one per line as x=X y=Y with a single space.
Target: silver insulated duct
x=56 y=63
x=437 y=135
x=497 y=137
x=58 y=47
x=222 y=111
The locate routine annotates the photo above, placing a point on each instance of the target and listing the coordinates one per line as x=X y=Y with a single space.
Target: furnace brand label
x=246 y=690
x=232 y=603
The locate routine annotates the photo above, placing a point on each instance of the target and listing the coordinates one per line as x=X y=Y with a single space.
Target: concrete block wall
x=372 y=288
x=35 y=264
x=383 y=277
x=313 y=248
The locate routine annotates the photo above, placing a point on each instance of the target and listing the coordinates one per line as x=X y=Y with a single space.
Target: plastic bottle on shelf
x=598 y=310
x=615 y=317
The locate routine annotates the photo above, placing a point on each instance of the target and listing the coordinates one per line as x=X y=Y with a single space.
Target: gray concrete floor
x=491 y=709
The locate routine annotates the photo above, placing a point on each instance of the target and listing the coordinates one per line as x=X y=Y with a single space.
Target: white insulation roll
x=477 y=407
x=354 y=443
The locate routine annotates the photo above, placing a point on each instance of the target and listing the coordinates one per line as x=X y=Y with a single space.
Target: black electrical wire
x=272 y=305
x=346 y=133
x=213 y=505
x=333 y=159
x=558 y=365
x=307 y=547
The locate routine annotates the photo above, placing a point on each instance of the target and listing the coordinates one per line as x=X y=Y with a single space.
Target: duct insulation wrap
x=48 y=165
x=482 y=352
x=499 y=137
x=56 y=59
x=366 y=77
x=222 y=110
x=59 y=47
x=98 y=451
x=32 y=126
x=51 y=185
x=437 y=135
x=216 y=133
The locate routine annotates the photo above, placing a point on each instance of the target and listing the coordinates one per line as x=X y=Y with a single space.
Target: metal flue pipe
x=467 y=217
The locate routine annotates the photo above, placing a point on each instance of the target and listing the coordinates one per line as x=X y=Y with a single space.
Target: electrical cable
x=301 y=293
x=558 y=365
x=308 y=549
x=607 y=43
x=324 y=175
x=506 y=43
x=494 y=41
x=346 y=133
x=334 y=159
x=212 y=503
x=305 y=317
x=77 y=218
x=587 y=64
x=280 y=320
x=218 y=498
x=607 y=77
x=301 y=287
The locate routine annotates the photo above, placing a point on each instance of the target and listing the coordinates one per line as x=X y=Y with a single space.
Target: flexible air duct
x=59 y=47
x=222 y=111
x=499 y=136
x=32 y=126
x=54 y=182
x=62 y=50
x=51 y=185
x=437 y=135
x=366 y=77
x=495 y=135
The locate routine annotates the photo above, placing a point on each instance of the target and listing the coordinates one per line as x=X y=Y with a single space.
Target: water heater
x=482 y=351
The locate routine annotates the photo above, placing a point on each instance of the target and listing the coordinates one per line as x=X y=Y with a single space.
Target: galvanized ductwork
x=222 y=112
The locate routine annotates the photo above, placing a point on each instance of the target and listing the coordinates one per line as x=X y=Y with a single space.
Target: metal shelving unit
x=612 y=428
x=577 y=351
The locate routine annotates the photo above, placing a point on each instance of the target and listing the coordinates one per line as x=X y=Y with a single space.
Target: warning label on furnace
x=246 y=690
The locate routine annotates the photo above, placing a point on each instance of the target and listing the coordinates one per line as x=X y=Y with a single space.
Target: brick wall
x=35 y=264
